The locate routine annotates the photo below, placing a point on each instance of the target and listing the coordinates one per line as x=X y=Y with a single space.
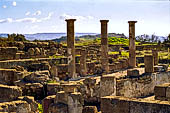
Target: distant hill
x=47 y=36
x=91 y=36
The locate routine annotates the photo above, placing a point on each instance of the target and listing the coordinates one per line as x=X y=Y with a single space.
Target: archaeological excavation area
x=50 y=77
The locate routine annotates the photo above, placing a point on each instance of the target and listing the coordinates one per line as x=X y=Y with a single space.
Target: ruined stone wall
x=113 y=104
x=26 y=62
x=141 y=86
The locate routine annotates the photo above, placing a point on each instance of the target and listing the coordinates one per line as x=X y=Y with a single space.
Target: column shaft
x=104 y=46
x=132 y=47
x=71 y=48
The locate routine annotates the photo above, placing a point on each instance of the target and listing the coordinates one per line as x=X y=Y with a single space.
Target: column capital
x=68 y=20
x=132 y=22
x=102 y=21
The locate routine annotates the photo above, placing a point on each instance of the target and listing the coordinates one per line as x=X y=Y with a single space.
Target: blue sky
x=37 y=16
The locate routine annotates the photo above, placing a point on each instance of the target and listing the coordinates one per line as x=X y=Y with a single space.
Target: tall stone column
x=155 y=55
x=83 y=66
x=104 y=46
x=71 y=48
x=132 y=47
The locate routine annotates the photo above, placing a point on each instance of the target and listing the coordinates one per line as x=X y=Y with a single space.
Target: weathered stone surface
x=9 y=76
x=8 y=50
x=58 y=108
x=61 y=97
x=69 y=88
x=53 y=88
x=132 y=72
x=132 y=47
x=107 y=85
x=32 y=89
x=54 y=72
x=83 y=66
x=113 y=104
x=31 y=51
x=15 y=106
x=149 y=63
x=30 y=100
x=75 y=103
x=90 y=109
x=71 y=48
x=46 y=103
x=155 y=55
x=37 y=51
x=142 y=86
x=39 y=76
x=104 y=45
x=9 y=93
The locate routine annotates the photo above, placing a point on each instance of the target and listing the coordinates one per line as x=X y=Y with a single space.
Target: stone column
x=54 y=72
x=155 y=55
x=132 y=47
x=149 y=63
x=104 y=46
x=83 y=67
x=71 y=48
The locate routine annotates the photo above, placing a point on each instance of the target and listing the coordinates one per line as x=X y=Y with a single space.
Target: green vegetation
x=51 y=81
x=114 y=41
x=11 y=38
x=40 y=108
x=56 y=56
x=164 y=55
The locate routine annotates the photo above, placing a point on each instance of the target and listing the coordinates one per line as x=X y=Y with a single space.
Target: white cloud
x=8 y=20
x=14 y=3
x=31 y=20
x=27 y=13
x=48 y=17
x=66 y=16
x=37 y=13
x=4 y=6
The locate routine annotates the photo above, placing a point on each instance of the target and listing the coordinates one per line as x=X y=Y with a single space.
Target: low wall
x=142 y=85
x=114 y=104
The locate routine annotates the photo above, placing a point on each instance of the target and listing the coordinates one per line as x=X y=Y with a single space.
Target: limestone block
x=54 y=71
x=111 y=105
x=168 y=92
x=53 y=88
x=107 y=85
x=31 y=51
x=75 y=103
x=158 y=68
x=7 y=76
x=132 y=72
x=33 y=89
x=69 y=88
x=90 y=109
x=37 y=51
x=160 y=90
x=47 y=102
x=61 y=97
x=30 y=100
x=58 y=108
x=149 y=63
x=9 y=93
x=15 y=106
x=39 y=76
x=8 y=50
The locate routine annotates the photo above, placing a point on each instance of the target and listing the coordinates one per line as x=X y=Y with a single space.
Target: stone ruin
x=86 y=78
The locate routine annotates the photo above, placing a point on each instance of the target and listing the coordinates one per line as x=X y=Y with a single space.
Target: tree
x=14 y=37
x=169 y=38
